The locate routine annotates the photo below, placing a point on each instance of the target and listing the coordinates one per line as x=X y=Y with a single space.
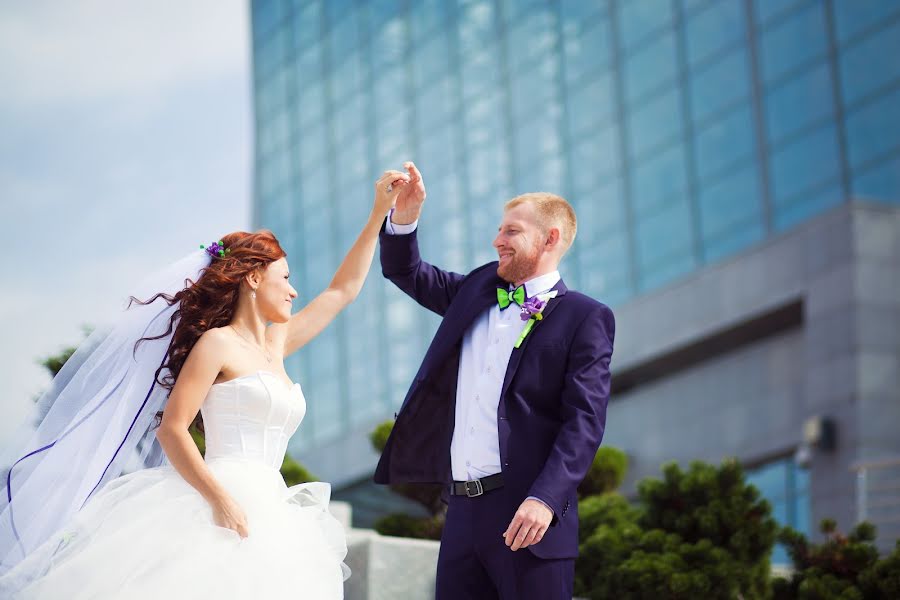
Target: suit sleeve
x=585 y=396
x=431 y=287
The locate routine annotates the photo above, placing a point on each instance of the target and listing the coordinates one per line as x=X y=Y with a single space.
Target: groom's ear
x=553 y=237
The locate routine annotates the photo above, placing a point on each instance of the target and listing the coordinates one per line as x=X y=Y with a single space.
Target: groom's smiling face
x=519 y=244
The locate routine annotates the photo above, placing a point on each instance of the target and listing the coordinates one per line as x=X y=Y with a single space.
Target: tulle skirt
x=150 y=535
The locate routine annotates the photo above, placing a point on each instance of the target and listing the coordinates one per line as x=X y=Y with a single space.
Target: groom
x=509 y=405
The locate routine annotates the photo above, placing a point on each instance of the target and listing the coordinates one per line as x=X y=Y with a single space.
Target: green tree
x=700 y=533
x=843 y=567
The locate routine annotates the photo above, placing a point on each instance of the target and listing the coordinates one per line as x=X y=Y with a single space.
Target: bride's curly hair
x=212 y=299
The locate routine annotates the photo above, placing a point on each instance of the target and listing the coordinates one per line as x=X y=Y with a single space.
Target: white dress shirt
x=487 y=346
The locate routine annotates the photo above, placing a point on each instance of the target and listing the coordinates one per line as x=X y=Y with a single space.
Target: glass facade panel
x=681 y=133
x=873 y=130
x=858 y=77
x=804 y=163
x=725 y=142
x=656 y=122
x=714 y=28
x=719 y=85
x=799 y=38
x=799 y=103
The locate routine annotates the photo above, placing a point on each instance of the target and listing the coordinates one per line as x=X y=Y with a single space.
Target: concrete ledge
x=389 y=568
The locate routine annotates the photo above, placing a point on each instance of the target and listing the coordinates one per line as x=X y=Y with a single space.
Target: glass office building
x=684 y=133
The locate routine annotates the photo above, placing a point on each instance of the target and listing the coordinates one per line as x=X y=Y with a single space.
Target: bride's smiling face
x=275 y=295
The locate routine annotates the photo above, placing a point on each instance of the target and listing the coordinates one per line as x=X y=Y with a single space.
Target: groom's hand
x=409 y=203
x=529 y=525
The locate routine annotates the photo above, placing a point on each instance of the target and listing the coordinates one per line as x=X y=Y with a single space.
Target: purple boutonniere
x=532 y=311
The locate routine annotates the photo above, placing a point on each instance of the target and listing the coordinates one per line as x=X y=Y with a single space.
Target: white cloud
x=126 y=144
x=104 y=49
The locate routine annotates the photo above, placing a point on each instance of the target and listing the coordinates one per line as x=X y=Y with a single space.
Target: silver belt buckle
x=479 y=489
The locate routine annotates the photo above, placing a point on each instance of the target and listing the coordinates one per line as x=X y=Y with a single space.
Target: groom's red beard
x=520 y=267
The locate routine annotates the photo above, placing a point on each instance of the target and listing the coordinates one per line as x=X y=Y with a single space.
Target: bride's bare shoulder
x=214 y=339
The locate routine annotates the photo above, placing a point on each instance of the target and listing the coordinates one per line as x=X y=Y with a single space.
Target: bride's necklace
x=255 y=345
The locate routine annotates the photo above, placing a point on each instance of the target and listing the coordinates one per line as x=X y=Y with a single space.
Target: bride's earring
x=253 y=295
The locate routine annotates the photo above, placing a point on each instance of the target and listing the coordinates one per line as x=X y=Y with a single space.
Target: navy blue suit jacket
x=552 y=410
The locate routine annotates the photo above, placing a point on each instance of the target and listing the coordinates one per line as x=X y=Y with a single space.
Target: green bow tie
x=505 y=297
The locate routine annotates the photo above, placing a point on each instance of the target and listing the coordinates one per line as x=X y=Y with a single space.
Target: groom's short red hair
x=552 y=211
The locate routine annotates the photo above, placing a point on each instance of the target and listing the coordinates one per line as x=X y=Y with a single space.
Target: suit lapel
x=516 y=357
x=455 y=324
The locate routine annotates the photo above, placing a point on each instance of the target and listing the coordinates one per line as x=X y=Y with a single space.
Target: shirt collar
x=540 y=284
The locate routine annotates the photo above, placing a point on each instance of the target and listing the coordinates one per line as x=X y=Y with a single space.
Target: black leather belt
x=477 y=487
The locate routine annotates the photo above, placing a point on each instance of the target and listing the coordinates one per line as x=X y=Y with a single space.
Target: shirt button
x=477 y=396
x=488 y=369
x=468 y=463
x=472 y=430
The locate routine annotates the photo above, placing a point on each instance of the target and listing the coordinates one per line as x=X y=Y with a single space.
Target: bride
x=178 y=524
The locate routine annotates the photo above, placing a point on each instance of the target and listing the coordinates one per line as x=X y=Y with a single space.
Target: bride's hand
x=227 y=513
x=384 y=199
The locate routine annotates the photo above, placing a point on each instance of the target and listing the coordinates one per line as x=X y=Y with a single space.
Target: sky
x=125 y=143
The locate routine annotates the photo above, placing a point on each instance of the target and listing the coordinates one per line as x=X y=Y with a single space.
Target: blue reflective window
x=606 y=259
x=533 y=37
x=266 y=14
x=585 y=49
x=594 y=156
x=346 y=77
x=388 y=42
x=852 y=18
x=797 y=39
x=427 y=15
x=591 y=103
x=436 y=102
x=871 y=64
x=313 y=144
x=535 y=88
x=349 y=118
x=714 y=28
x=720 y=84
x=675 y=265
x=798 y=103
x=271 y=95
x=879 y=182
x=307 y=24
x=535 y=139
x=805 y=163
x=344 y=35
x=308 y=65
x=732 y=242
x=725 y=142
x=477 y=24
x=575 y=12
x=638 y=18
x=271 y=53
x=731 y=201
x=600 y=210
x=438 y=148
x=651 y=67
x=768 y=9
x=654 y=122
x=806 y=206
x=658 y=180
x=432 y=58
x=547 y=173
x=480 y=71
x=873 y=130
x=664 y=235
x=273 y=133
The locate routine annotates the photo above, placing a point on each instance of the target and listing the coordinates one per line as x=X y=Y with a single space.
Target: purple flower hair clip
x=216 y=249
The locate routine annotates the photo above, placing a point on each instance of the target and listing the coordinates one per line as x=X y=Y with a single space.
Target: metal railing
x=878 y=498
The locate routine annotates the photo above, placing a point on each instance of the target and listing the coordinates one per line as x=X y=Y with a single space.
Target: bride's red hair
x=212 y=299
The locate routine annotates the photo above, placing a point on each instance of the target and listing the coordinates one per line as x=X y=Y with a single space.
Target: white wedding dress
x=149 y=534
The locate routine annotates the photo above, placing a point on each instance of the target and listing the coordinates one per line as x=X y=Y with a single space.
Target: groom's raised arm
x=401 y=263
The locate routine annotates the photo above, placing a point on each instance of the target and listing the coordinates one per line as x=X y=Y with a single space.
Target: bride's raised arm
x=347 y=282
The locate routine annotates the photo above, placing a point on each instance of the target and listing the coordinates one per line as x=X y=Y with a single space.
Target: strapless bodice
x=252 y=417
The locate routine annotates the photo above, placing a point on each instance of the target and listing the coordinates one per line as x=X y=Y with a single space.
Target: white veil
x=95 y=422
